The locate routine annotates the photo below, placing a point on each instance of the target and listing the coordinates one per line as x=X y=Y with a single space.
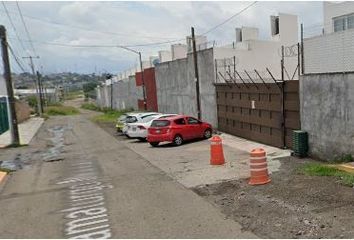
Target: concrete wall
x=23 y=111
x=125 y=94
x=335 y=9
x=330 y=53
x=176 y=91
x=327 y=113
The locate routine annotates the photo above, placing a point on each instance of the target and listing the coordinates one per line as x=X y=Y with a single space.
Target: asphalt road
x=80 y=182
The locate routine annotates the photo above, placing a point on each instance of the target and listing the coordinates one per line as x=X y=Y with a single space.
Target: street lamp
x=141 y=69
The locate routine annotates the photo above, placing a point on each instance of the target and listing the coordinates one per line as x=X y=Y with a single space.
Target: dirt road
x=79 y=181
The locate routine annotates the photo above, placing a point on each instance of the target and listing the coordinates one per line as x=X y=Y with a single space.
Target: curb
x=3 y=178
x=346 y=167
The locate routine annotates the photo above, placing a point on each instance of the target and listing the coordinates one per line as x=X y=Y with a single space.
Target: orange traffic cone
x=216 y=151
x=258 y=167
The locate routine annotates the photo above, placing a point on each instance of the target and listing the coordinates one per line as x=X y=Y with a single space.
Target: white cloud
x=135 y=23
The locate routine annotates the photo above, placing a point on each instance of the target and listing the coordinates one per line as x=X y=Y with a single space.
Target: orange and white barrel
x=258 y=167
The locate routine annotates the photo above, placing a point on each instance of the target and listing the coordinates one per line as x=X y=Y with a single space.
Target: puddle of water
x=19 y=162
x=56 y=143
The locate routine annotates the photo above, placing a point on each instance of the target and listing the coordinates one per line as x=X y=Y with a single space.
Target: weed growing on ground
x=343 y=159
x=108 y=116
x=317 y=169
x=60 y=110
x=90 y=106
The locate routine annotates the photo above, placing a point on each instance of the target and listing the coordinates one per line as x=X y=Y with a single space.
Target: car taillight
x=141 y=127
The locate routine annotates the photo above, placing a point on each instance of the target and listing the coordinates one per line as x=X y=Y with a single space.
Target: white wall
x=165 y=56
x=333 y=9
x=330 y=53
x=178 y=51
x=3 y=91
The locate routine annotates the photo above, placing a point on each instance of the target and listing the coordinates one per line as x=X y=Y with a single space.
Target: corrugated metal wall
x=150 y=87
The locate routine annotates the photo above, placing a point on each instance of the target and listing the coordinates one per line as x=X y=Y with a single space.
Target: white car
x=138 y=117
x=139 y=130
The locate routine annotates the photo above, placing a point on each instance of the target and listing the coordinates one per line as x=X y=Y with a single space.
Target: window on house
x=339 y=24
x=350 y=21
x=343 y=22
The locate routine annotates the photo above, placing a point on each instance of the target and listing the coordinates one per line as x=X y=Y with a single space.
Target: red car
x=177 y=129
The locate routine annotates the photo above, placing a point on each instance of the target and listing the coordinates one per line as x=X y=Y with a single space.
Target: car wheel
x=154 y=144
x=178 y=140
x=207 y=133
x=142 y=139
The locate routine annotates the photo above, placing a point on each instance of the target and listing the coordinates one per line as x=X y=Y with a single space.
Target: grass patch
x=90 y=106
x=60 y=110
x=345 y=158
x=74 y=95
x=317 y=169
x=108 y=116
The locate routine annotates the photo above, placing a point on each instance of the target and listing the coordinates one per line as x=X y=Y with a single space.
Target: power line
x=233 y=16
x=90 y=30
x=97 y=45
x=13 y=26
x=24 y=24
x=15 y=57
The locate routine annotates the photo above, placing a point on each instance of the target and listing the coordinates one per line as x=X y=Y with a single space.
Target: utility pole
x=41 y=92
x=196 y=75
x=38 y=91
x=7 y=75
x=141 y=69
x=143 y=80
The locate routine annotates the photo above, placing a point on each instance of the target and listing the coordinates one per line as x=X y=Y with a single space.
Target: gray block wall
x=125 y=94
x=176 y=92
x=327 y=113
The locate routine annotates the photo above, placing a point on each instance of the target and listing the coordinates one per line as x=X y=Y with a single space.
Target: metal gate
x=256 y=106
x=255 y=111
x=4 y=119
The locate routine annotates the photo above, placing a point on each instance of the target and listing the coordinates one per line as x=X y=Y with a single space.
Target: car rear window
x=160 y=123
x=131 y=119
x=122 y=118
x=180 y=121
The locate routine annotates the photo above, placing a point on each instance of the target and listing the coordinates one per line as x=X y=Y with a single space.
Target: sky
x=54 y=24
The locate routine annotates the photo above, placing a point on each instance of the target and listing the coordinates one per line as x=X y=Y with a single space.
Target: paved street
x=81 y=182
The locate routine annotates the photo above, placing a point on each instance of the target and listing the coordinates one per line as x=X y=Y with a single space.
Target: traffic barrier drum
x=216 y=151
x=258 y=167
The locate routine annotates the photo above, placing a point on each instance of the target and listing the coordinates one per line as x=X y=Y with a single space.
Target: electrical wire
x=15 y=57
x=26 y=29
x=13 y=26
x=227 y=20
x=90 y=30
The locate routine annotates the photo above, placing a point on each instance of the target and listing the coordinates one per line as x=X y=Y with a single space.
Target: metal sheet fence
x=4 y=119
x=265 y=113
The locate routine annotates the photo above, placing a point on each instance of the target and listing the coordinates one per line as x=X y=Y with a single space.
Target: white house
x=251 y=53
x=333 y=50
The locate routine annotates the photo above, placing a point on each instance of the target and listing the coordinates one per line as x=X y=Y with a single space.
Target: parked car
x=139 y=130
x=122 y=119
x=133 y=118
x=177 y=129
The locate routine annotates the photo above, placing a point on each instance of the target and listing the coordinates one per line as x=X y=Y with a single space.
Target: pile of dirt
x=291 y=206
